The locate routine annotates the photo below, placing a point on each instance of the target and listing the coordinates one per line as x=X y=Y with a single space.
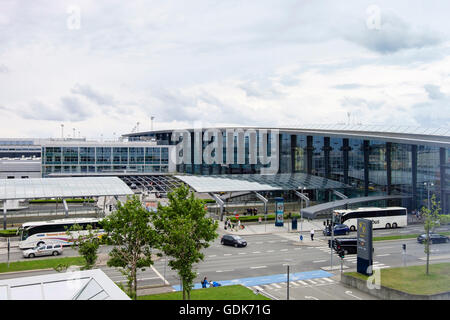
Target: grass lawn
x=33 y=264
x=404 y=236
x=235 y=292
x=414 y=280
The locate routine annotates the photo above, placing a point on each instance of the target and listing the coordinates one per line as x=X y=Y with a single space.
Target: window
x=49 y=247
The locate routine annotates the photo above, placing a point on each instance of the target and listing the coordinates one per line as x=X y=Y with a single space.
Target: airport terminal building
x=367 y=160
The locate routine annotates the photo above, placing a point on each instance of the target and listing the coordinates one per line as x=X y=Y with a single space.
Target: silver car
x=43 y=250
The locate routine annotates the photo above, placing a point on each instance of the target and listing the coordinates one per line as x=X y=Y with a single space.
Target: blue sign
x=279 y=212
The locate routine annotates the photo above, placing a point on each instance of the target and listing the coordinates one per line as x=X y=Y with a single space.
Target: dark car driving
x=233 y=240
x=347 y=245
x=434 y=238
x=339 y=229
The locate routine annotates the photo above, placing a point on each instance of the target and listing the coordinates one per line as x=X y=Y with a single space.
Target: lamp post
x=428 y=184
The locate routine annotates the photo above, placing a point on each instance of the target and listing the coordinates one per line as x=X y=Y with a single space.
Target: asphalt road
x=269 y=254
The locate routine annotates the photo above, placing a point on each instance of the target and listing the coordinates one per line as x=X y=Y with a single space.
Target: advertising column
x=364 y=247
x=279 y=212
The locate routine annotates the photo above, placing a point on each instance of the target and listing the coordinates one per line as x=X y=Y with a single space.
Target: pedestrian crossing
x=352 y=259
x=294 y=284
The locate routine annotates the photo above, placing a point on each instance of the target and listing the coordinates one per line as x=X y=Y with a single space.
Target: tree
x=129 y=230
x=86 y=245
x=185 y=231
x=431 y=220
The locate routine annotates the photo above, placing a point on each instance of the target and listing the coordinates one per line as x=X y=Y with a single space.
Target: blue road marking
x=276 y=278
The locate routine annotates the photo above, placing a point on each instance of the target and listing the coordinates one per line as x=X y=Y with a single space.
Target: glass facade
x=85 y=159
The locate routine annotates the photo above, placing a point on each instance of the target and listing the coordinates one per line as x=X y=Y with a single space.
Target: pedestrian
x=204 y=282
x=312 y=234
x=239 y=224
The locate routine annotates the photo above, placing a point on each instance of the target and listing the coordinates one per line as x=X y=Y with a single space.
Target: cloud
x=347 y=86
x=93 y=95
x=434 y=92
x=392 y=35
x=4 y=69
x=68 y=109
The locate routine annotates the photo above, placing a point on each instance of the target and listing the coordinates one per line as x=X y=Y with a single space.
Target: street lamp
x=428 y=184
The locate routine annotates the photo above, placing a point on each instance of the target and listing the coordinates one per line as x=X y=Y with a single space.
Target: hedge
x=8 y=233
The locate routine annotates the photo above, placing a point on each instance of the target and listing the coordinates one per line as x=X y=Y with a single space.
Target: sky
x=103 y=68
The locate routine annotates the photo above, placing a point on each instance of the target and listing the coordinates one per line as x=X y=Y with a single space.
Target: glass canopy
x=257 y=182
x=62 y=187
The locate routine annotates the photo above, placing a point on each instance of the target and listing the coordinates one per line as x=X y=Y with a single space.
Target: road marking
x=303 y=282
x=270 y=250
x=259 y=267
x=284 y=240
x=311 y=297
x=242 y=253
x=383 y=255
x=276 y=286
x=258 y=288
x=284 y=250
x=328 y=279
x=256 y=252
x=352 y=295
x=318 y=261
x=295 y=284
x=297 y=248
x=212 y=256
x=228 y=254
x=320 y=281
x=225 y=270
x=159 y=275
x=260 y=242
x=312 y=281
x=271 y=241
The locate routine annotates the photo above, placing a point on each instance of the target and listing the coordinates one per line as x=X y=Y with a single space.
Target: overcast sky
x=102 y=66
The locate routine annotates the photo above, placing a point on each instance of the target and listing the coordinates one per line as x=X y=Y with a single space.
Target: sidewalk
x=269 y=228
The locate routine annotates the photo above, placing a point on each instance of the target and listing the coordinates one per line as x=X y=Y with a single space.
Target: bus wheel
x=394 y=225
x=388 y=225
x=353 y=228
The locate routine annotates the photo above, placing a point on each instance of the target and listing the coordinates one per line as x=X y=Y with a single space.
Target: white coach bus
x=390 y=217
x=54 y=231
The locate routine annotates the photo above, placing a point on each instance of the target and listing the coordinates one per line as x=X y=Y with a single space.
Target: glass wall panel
x=87 y=155
x=137 y=155
x=152 y=155
x=120 y=155
x=300 y=162
x=377 y=165
x=428 y=172
x=336 y=159
x=356 y=164
x=401 y=167
x=318 y=160
x=52 y=155
x=70 y=155
x=103 y=155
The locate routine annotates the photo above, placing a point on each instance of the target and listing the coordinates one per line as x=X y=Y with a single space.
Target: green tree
x=185 y=231
x=86 y=244
x=431 y=220
x=133 y=237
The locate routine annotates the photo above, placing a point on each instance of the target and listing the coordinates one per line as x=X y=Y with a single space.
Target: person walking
x=239 y=224
x=312 y=234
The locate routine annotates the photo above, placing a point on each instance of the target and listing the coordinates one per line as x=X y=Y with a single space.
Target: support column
x=442 y=185
x=345 y=149
x=293 y=147
x=366 y=148
x=309 y=153
x=414 y=175
x=388 y=168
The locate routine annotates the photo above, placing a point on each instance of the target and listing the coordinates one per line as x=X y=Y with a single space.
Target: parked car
x=348 y=245
x=434 y=238
x=43 y=250
x=339 y=229
x=233 y=240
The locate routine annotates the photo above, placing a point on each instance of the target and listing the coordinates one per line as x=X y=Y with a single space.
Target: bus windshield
x=23 y=233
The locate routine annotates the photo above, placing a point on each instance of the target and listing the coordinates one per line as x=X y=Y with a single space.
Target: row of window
x=105 y=155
